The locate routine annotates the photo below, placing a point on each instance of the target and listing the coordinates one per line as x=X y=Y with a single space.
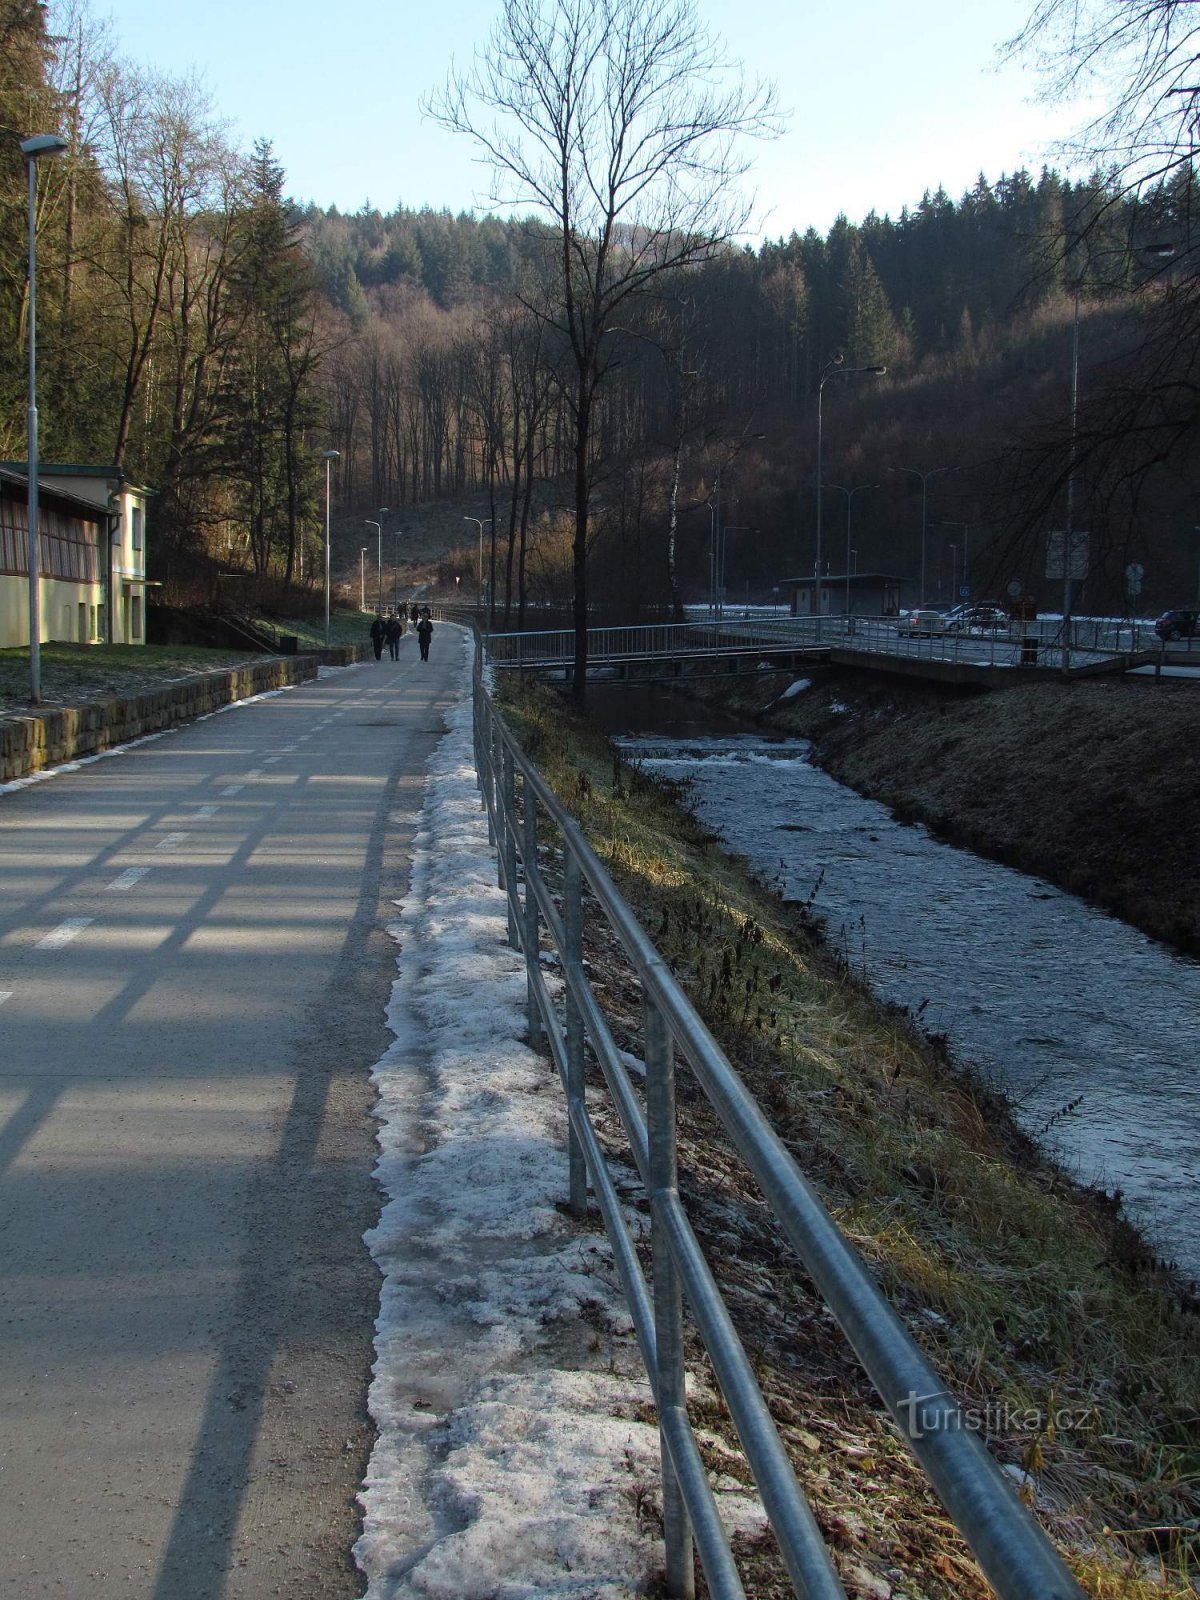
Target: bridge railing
x=652 y=639
x=1037 y=643
x=1014 y=1553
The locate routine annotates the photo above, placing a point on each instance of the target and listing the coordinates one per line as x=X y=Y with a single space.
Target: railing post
x=508 y=848
x=495 y=759
x=532 y=958
x=573 y=959
x=668 y=1300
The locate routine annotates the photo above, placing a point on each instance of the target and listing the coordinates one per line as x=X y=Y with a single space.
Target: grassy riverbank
x=74 y=674
x=1033 y=1299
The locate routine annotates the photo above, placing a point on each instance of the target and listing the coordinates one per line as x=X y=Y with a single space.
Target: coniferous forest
x=214 y=339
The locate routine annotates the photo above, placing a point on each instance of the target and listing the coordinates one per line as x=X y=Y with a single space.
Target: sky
x=883 y=101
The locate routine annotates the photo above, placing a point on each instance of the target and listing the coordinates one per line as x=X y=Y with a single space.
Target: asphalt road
x=193 y=968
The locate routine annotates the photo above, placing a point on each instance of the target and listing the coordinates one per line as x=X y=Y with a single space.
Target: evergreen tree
x=270 y=392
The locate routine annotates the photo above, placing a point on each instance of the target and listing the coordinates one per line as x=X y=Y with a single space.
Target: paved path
x=193 y=968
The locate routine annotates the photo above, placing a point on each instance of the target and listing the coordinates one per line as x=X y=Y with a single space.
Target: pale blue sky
x=884 y=99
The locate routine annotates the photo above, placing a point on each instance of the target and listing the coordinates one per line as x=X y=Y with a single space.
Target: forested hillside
x=200 y=330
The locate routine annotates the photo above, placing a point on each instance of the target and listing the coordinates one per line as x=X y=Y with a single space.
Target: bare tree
x=1140 y=57
x=618 y=121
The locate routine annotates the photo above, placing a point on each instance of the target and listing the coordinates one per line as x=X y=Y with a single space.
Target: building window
x=137 y=527
x=136 y=615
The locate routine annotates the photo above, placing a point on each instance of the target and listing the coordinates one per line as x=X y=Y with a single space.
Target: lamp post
x=714 y=537
x=952 y=522
x=832 y=369
x=716 y=534
x=850 y=493
x=953 y=570
x=479 y=521
x=730 y=527
x=396 y=532
x=42 y=144
x=916 y=472
x=367 y=523
x=362 y=579
x=328 y=456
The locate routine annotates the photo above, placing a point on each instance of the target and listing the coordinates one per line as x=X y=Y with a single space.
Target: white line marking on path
x=270 y=761
x=5 y=994
x=234 y=788
x=255 y=772
x=129 y=877
x=205 y=811
x=171 y=842
x=64 y=933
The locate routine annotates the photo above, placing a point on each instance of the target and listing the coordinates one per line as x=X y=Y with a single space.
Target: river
x=1087 y=1025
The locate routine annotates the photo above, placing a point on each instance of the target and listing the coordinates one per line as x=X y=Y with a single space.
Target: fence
x=1013 y=1552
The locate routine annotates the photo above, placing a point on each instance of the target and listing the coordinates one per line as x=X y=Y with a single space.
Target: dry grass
x=1032 y=1298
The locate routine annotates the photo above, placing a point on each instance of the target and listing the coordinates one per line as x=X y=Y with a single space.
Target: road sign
x=1014 y=589
x=964 y=591
x=1079 y=554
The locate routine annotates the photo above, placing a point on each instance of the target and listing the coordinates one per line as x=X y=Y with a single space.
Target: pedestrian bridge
x=659 y=651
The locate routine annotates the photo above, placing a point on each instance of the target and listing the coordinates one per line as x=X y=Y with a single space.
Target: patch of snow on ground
x=508 y=1463
x=793 y=689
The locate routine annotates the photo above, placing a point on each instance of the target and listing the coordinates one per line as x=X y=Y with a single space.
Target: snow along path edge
x=509 y=1464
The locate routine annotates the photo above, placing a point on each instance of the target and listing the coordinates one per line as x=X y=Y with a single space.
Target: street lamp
x=383 y=511
x=716 y=534
x=367 y=523
x=954 y=570
x=328 y=456
x=362 y=579
x=42 y=144
x=952 y=522
x=730 y=527
x=933 y=472
x=396 y=533
x=832 y=369
x=850 y=493
x=479 y=521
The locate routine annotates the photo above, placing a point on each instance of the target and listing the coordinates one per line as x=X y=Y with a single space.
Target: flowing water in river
x=1050 y=1000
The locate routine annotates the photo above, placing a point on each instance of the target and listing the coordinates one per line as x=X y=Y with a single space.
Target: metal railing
x=1012 y=1550
x=643 y=641
x=1037 y=643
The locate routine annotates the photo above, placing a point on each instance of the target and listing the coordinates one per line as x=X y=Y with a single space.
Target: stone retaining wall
x=48 y=738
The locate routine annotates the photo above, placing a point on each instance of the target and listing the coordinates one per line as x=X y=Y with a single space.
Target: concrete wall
x=37 y=739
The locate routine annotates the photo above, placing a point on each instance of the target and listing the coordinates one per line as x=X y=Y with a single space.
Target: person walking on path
x=395 y=632
x=378 y=635
x=425 y=633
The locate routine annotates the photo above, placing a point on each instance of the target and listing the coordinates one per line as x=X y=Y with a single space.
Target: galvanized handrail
x=1020 y=644
x=1012 y=1550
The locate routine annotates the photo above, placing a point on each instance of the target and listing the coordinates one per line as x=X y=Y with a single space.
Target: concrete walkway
x=193 y=971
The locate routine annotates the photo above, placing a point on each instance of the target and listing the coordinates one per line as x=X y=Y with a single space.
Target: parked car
x=923 y=620
x=1181 y=623
x=985 y=614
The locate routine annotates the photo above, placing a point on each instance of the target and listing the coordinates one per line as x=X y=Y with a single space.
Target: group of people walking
x=390 y=629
